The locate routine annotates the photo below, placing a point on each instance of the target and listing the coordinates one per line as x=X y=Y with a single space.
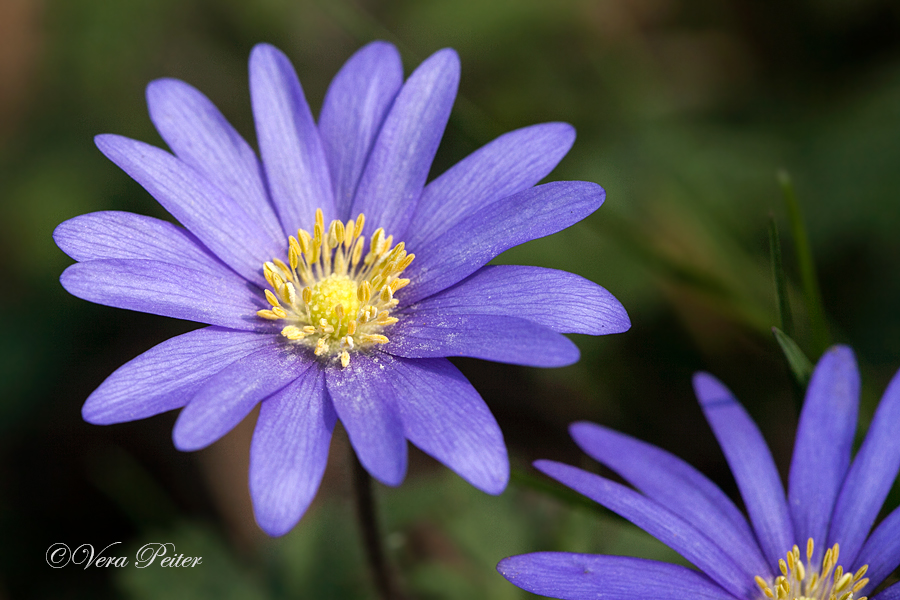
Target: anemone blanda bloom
x=814 y=543
x=302 y=265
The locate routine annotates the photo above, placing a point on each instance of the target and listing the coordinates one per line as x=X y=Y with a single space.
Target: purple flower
x=815 y=543
x=301 y=264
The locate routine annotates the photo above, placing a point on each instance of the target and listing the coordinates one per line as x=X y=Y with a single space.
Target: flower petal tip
x=496 y=485
x=546 y=466
x=579 y=430
x=840 y=354
x=565 y=131
x=390 y=479
x=158 y=88
x=93 y=414
x=264 y=50
x=710 y=390
x=447 y=58
x=185 y=439
x=380 y=47
x=506 y=566
x=275 y=527
x=104 y=141
x=618 y=321
x=61 y=233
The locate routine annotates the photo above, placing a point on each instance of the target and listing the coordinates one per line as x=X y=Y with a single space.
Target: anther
x=304 y=240
x=357 y=250
x=320 y=219
x=364 y=292
x=349 y=231
x=272 y=299
x=285 y=271
x=291 y=294
x=842 y=582
x=293 y=333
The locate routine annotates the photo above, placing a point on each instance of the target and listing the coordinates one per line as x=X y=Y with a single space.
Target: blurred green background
x=685 y=110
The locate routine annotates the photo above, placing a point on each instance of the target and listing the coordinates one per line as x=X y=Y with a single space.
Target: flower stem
x=365 y=506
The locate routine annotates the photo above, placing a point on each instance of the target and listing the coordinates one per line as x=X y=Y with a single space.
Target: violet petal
x=199 y=135
x=561 y=301
x=169 y=290
x=354 y=109
x=480 y=236
x=398 y=166
x=225 y=399
x=513 y=162
x=881 y=551
x=293 y=158
x=289 y=451
x=823 y=443
x=871 y=476
x=659 y=522
x=445 y=417
x=571 y=576
x=673 y=483
x=426 y=334
x=751 y=463
x=364 y=400
x=168 y=375
x=115 y=234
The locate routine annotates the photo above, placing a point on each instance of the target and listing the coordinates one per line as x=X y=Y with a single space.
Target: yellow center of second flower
x=332 y=291
x=804 y=582
x=331 y=297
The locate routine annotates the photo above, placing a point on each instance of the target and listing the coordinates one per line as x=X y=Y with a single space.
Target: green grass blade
x=801 y=367
x=811 y=292
x=785 y=318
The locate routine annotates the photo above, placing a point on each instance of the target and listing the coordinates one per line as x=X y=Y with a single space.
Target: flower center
x=802 y=582
x=332 y=291
x=331 y=297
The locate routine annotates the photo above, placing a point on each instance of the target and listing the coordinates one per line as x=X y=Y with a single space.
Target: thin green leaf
x=811 y=291
x=801 y=367
x=785 y=318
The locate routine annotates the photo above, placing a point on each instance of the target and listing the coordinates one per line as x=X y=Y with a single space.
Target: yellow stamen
x=804 y=581
x=334 y=295
x=272 y=299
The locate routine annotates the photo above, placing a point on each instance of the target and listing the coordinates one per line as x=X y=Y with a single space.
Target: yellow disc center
x=330 y=293
x=799 y=581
